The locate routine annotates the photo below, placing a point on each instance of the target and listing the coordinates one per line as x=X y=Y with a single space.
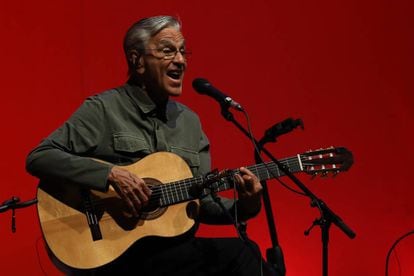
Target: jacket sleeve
x=63 y=155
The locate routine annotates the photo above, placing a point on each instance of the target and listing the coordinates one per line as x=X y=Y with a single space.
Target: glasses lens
x=171 y=54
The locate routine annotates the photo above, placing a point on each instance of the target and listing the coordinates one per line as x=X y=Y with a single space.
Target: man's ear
x=140 y=68
x=136 y=59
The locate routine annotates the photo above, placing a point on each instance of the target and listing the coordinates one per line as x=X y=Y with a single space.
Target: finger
x=141 y=185
x=240 y=184
x=238 y=179
x=139 y=191
x=248 y=182
x=147 y=190
x=144 y=188
x=133 y=195
x=251 y=176
x=246 y=171
x=131 y=205
x=124 y=196
x=129 y=190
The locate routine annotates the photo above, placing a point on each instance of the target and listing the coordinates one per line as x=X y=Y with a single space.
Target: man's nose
x=179 y=58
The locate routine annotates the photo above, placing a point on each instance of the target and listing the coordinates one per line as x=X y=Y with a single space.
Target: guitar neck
x=183 y=190
x=265 y=171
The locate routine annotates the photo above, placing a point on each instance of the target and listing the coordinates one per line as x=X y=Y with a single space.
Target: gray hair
x=139 y=34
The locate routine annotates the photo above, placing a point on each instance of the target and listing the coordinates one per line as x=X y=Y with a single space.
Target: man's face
x=163 y=64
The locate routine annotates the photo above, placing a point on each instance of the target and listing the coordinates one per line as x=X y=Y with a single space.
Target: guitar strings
x=179 y=187
x=173 y=189
x=170 y=192
x=178 y=191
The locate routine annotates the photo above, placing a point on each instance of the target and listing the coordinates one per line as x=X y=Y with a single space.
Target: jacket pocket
x=130 y=143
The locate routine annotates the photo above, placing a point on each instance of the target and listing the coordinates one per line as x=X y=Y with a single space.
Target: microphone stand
x=327 y=215
x=274 y=254
x=13 y=204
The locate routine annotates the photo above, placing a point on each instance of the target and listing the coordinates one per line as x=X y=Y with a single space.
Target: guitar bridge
x=91 y=215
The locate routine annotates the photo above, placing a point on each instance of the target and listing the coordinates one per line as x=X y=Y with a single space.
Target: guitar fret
x=267 y=173
x=187 y=195
x=161 y=197
x=162 y=200
x=277 y=170
x=269 y=170
x=177 y=188
x=257 y=172
x=176 y=193
x=169 y=189
x=179 y=191
x=187 y=187
x=167 y=194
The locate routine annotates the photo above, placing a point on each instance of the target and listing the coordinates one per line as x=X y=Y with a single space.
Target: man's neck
x=159 y=99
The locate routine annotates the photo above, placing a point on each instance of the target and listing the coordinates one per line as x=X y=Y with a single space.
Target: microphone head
x=201 y=85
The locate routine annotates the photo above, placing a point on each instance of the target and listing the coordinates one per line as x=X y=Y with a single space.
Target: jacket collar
x=147 y=105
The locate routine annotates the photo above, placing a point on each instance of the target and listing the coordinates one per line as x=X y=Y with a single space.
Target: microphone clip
x=281 y=128
x=12 y=204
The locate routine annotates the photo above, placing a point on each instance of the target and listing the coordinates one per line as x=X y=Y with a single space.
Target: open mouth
x=175 y=74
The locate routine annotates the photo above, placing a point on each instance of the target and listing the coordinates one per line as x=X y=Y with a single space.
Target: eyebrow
x=168 y=42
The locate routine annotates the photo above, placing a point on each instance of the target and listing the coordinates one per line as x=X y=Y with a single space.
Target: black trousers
x=187 y=256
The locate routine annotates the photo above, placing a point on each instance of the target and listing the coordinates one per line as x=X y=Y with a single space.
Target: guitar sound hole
x=153 y=210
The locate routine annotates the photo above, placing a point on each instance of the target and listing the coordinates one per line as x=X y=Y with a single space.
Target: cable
x=39 y=239
x=397 y=259
x=392 y=248
x=261 y=159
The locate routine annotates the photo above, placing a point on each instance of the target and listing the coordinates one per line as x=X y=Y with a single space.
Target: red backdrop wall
x=344 y=67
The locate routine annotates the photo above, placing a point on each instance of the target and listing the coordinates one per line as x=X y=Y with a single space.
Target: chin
x=175 y=92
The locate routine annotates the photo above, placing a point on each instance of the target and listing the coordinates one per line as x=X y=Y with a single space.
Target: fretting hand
x=249 y=190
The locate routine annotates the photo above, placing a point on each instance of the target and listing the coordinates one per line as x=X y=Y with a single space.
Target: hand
x=249 y=190
x=132 y=189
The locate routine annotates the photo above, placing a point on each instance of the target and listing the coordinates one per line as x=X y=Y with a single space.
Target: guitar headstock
x=325 y=161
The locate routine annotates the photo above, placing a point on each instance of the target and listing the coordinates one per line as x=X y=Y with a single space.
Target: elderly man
x=125 y=124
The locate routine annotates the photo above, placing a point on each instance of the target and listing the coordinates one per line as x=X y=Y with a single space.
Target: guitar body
x=65 y=225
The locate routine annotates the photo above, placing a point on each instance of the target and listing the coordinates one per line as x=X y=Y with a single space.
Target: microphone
x=203 y=86
x=281 y=128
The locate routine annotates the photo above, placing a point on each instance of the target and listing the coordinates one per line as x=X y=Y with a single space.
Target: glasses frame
x=168 y=53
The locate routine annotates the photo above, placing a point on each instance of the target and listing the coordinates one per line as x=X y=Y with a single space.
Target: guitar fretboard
x=187 y=189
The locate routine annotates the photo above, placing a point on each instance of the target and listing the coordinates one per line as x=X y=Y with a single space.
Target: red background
x=344 y=67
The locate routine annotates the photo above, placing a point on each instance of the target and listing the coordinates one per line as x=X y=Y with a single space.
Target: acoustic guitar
x=86 y=229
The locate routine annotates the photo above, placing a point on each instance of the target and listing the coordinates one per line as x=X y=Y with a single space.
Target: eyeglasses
x=169 y=53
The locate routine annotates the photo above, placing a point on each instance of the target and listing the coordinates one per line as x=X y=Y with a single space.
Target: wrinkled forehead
x=168 y=37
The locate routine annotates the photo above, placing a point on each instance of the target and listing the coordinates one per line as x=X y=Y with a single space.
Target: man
x=123 y=125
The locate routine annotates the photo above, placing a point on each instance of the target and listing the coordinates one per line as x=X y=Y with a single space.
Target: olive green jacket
x=121 y=126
